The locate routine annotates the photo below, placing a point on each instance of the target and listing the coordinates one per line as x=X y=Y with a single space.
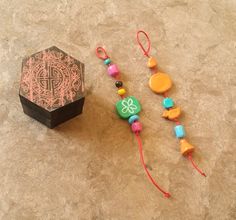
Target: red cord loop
x=101 y=53
x=166 y=194
x=194 y=165
x=145 y=52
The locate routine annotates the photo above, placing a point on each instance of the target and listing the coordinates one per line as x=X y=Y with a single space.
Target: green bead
x=107 y=61
x=127 y=107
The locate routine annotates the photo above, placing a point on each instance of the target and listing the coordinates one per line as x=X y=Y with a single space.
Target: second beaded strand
x=161 y=83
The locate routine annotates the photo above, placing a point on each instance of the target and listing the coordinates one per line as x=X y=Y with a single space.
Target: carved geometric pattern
x=51 y=79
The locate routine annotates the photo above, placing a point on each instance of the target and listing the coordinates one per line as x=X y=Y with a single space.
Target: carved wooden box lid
x=51 y=80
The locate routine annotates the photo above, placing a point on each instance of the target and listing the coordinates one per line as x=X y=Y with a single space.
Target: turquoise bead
x=179 y=131
x=168 y=103
x=133 y=118
x=107 y=61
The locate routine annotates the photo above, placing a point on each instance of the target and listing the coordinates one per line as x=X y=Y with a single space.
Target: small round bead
x=121 y=91
x=136 y=127
x=168 y=103
x=133 y=118
x=107 y=61
x=119 y=84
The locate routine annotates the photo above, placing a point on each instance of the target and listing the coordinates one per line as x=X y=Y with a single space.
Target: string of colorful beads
x=161 y=83
x=128 y=108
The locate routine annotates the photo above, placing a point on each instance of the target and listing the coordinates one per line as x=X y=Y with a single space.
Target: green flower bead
x=127 y=107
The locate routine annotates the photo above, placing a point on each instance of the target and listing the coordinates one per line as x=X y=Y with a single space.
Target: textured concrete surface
x=88 y=168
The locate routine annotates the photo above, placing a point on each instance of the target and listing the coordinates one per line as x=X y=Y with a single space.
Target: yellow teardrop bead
x=185 y=147
x=152 y=62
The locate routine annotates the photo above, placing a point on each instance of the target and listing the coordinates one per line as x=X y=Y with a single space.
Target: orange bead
x=152 y=62
x=185 y=147
x=160 y=82
x=172 y=113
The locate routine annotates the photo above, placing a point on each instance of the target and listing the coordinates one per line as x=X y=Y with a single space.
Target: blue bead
x=107 y=61
x=179 y=131
x=133 y=118
x=168 y=103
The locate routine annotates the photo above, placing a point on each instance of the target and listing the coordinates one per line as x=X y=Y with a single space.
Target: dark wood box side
x=54 y=118
x=67 y=112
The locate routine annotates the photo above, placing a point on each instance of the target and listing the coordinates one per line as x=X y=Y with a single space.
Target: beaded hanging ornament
x=161 y=83
x=128 y=107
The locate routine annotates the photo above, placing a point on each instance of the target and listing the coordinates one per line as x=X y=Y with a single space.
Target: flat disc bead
x=133 y=118
x=160 y=82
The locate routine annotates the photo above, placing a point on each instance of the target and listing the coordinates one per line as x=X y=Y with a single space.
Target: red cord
x=194 y=165
x=145 y=52
x=100 y=51
x=177 y=122
x=165 y=94
x=166 y=194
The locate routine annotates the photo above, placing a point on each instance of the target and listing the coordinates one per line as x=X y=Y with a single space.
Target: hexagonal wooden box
x=52 y=86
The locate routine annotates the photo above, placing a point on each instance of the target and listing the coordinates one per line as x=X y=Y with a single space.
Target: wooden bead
x=172 y=113
x=185 y=147
x=121 y=91
x=160 y=82
x=152 y=62
x=127 y=107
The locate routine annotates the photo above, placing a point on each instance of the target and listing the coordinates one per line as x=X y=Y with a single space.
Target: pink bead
x=136 y=127
x=113 y=70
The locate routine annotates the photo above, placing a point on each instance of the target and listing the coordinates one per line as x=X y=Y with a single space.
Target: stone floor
x=88 y=167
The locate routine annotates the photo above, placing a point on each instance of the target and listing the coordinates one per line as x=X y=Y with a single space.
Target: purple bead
x=113 y=70
x=136 y=127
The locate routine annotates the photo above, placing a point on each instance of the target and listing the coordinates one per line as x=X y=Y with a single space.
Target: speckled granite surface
x=88 y=168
